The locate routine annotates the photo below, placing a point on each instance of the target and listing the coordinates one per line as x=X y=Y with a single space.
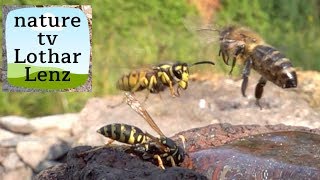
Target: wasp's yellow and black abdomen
x=274 y=66
x=139 y=80
x=123 y=133
x=129 y=81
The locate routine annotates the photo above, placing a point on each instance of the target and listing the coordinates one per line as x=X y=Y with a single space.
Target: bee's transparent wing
x=206 y=32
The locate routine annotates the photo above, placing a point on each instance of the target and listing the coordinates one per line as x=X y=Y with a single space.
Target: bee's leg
x=259 y=90
x=227 y=61
x=172 y=161
x=239 y=49
x=97 y=148
x=233 y=64
x=245 y=75
x=160 y=163
x=224 y=58
x=224 y=54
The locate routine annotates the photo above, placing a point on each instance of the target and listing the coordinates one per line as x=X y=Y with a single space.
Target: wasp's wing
x=136 y=106
x=205 y=32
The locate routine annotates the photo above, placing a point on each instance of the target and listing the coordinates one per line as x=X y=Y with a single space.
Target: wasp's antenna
x=202 y=62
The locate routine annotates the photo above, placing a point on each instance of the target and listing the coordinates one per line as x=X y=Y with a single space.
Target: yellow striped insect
x=163 y=149
x=157 y=78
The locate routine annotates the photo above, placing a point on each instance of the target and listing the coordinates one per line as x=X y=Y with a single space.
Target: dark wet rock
x=46 y=164
x=112 y=163
x=220 y=134
x=226 y=163
x=295 y=147
x=54 y=173
x=276 y=155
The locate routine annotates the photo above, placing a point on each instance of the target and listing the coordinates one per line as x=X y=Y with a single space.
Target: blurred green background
x=130 y=34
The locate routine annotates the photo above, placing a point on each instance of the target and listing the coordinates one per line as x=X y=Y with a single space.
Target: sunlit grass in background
x=131 y=34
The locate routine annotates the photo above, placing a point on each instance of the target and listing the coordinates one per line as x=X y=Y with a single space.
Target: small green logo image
x=47 y=48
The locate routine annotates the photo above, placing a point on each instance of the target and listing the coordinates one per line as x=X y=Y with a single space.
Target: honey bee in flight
x=242 y=44
x=158 y=78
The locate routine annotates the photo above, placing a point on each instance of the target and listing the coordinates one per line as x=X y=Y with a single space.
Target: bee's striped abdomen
x=274 y=66
x=123 y=133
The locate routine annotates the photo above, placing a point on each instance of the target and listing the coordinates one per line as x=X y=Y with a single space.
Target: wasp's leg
x=178 y=93
x=160 y=163
x=147 y=96
x=171 y=89
x=138 y=149
x=172 y=161
x=160 y=96
x=97 y=148
x=259 y=90
x=152 y=83
x=116 y=105
x=165 y=79
x=183 y=140
x=245 y=75
x=143 y=82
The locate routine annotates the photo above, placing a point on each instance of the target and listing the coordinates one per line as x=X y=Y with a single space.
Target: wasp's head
x=177 y=152
x=181 y=74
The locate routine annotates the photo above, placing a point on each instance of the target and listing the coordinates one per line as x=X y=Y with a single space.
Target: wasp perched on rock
x=157 y=78
x=243 y=44
x=163 y=149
